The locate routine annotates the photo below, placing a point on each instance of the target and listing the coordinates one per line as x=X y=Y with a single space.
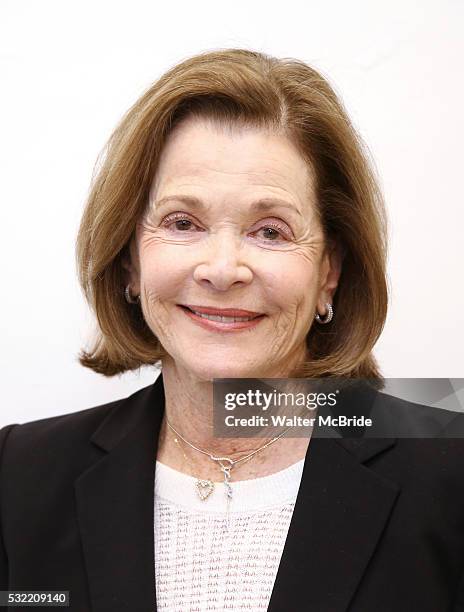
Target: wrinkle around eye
x=151 y=233
x=306 y=244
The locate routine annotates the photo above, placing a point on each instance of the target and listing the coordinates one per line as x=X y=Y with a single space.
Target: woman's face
x=232 y=224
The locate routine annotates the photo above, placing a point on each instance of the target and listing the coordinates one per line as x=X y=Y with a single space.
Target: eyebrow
x=263 y=204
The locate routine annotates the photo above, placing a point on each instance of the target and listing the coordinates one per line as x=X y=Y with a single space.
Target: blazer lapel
x=114 y=500
x=341 y=510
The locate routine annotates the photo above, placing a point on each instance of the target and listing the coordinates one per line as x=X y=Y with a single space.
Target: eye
x=273 y=232
x=181 y=222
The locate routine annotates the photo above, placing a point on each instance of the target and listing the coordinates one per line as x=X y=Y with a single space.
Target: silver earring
x=328 y=316
x=129 y=298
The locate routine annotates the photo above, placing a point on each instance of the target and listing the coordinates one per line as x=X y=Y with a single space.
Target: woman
x=233 y=230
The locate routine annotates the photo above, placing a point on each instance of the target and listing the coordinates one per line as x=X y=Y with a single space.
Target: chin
x=209 y=371
x=208 y=374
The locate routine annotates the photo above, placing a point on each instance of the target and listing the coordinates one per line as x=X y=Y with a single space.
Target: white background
x=70 y=70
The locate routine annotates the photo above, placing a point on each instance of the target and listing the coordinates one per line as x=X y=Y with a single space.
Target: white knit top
x=204 y=561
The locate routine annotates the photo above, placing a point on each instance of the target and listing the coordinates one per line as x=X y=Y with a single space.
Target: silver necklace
x=226 y=465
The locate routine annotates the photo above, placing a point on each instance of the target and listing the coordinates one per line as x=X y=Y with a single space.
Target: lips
x=221 y=312
x=221 y=323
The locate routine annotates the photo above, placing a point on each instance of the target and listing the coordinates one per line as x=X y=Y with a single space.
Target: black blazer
x=378 y=524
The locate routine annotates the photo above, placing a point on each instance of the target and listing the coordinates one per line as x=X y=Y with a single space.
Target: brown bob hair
x=237 y=86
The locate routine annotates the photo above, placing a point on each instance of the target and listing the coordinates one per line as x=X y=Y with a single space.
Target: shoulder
x=416 y=446
x=41 y=461
x=61 y=438
x=55 y=430
x=407 y=419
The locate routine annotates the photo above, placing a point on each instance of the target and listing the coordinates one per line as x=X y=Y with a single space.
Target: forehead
x=200 y=153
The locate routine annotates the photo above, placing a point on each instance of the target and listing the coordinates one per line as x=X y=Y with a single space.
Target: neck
x=189 y=409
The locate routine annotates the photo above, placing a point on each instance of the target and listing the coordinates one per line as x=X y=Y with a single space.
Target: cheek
x=163 y=271
x=292 y=283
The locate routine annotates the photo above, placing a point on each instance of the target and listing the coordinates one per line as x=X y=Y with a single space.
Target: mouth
x=226 y=319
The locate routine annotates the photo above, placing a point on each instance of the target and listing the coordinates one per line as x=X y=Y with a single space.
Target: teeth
x=222 y=319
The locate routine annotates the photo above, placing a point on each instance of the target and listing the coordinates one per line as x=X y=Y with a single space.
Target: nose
x=222 y=264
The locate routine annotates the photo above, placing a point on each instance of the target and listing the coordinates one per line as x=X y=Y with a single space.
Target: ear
x=130 y=266
x=331 y=269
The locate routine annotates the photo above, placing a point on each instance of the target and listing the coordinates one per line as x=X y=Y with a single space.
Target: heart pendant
x=204 y=488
